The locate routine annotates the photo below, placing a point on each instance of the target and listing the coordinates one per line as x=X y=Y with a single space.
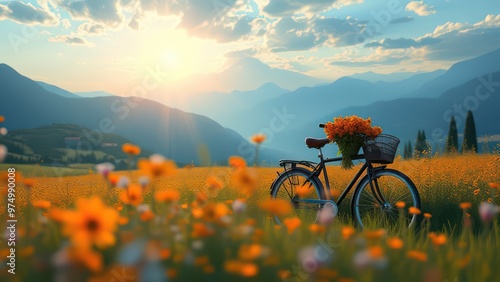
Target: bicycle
x=376 y=193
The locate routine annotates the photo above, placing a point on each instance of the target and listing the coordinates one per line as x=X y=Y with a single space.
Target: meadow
x=163 y=223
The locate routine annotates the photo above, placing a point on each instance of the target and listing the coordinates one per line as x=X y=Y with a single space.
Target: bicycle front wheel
x=374 y=201
x=286 y=187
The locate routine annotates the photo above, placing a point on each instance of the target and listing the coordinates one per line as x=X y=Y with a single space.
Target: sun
x=171 y=59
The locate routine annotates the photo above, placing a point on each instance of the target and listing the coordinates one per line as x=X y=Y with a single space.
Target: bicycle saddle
x=316 y=143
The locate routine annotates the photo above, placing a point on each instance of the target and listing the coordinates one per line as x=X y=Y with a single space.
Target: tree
x=421 y=147
x=408 y=151
x=452 y=140
x=470 y=137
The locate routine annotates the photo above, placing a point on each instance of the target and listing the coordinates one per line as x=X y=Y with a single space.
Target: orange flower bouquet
x=348 y=133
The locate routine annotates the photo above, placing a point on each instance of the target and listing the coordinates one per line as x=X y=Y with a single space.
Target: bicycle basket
x=382 y=149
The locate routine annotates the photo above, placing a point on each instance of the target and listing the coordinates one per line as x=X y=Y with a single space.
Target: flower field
x=163 y=223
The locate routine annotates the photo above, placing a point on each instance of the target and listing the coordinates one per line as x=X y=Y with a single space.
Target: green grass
x=36 y=170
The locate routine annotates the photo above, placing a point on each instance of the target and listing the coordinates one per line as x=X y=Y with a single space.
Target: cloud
x=402 y=20
x=27 y=14
x=107 y=12
x=420 y=8
x=288 y=34
x=88 y=28
x=451 y=41
x=379 y=57
x=403 y=43
x=291 y=7
x=66 y=23
x=69 y=40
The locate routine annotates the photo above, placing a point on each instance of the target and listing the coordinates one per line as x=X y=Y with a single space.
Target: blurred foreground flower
x=157 y=165
x=132 y=195
x=3 y=152
x=487 y=211
x=105 y=168
x=258 y=139
x=91 y=223
x=131 y=149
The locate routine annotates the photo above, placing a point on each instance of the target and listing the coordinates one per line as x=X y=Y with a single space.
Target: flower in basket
x=348 y=133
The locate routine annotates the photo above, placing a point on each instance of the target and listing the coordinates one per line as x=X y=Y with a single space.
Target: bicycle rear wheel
x=285 y=187
x=374 y=202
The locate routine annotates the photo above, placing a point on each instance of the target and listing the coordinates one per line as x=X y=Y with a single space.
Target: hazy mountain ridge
x=171 y=132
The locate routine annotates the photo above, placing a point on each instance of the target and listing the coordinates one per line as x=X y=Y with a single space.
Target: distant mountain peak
x=250 y=63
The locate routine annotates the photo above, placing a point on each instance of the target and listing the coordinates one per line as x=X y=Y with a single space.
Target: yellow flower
x=131 y=149
x=258 y=138
x=476 y=191
x=91 y=223
x=132 y=195
x=292 y=224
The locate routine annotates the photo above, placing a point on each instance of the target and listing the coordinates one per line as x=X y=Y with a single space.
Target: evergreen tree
x=421 y=144
x=452 y=140
x=470 y=137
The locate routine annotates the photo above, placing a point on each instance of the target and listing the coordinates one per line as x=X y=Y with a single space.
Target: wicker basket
x=382 y=149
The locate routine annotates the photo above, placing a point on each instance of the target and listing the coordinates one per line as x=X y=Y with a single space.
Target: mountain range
x=420 y=101
x=174 y=133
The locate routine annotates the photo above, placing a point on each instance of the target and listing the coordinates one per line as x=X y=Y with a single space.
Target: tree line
x=469 y=144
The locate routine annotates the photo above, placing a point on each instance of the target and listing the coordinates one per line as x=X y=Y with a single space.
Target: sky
x=90 y=45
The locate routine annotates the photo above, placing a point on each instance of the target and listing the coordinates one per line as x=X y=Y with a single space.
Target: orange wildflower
x=476 y=191
x=122 y=220
x=89 y=258
x=292 y=224
x=157 y=165
x=214 y=212
x=376 y=252
x=2 y=118
x=131 y=149
x=42 y=204
x=395 y=243
x=278 y=207
x=400 y=205
x=465 y=205
x=132 y=195
x=168 y=196
x=438 y=239
x=427 y=215
x=214 y=183
x=414 y=210
x=250 y=252
x=147 y=215
x=29 y=182
x=494 y=185
x=303 y=190
x=245 y=180
x=317 y=228
x=237 y=162
x=91 y=223
x=259 y=138
x=375 y=234
x=201 y=230
x=347 y=232
x=417 y=255
x=113 y=179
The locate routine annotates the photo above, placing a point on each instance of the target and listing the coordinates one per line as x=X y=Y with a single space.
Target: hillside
x=64 y=144
x=176 y=134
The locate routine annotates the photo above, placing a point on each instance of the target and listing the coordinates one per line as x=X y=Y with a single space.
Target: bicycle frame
x=316 y=171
